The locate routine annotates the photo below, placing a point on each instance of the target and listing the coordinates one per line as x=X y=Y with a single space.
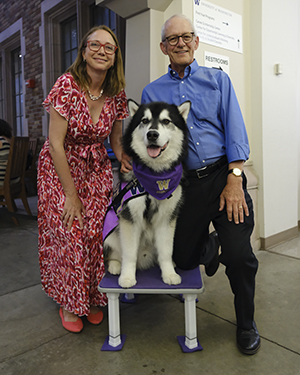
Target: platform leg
x=190 y=321
x=114 y=319
x=129 y=296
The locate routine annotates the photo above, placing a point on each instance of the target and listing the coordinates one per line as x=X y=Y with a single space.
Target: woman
x=75 y=180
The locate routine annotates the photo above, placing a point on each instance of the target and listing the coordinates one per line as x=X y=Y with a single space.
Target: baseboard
x=279 y=238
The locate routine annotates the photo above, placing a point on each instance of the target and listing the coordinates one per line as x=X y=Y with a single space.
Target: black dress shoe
x=248 y=342
x=212 y=267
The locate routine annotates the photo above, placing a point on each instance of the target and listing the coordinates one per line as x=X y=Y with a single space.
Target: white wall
x=137 y=55
x=298 y=112
x=275 y=112
x=157 y=58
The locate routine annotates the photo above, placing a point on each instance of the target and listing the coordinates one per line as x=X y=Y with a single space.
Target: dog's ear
x=132 y=106
x=184 y=109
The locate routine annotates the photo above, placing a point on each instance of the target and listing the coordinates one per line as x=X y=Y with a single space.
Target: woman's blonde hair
x=114 y=81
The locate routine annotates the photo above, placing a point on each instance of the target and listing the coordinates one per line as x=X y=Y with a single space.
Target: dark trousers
x=192 y=245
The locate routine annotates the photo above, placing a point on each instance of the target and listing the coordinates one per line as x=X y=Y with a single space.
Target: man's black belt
x=209 y=169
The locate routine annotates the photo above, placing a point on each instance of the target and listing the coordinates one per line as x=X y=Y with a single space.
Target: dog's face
x=157 y=134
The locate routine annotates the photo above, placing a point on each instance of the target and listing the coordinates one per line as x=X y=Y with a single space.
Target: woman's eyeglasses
x=95 y=45
x=174 y=39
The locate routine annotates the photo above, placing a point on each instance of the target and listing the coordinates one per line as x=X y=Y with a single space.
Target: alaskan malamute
x=140 y=222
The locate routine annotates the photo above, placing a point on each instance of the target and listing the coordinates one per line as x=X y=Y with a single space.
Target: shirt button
x=182 y=82
x=197 y=143
x=183 y=96
x=192 y=127
x=203 y=161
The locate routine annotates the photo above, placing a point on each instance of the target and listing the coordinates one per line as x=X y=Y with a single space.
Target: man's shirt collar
x=189 y=70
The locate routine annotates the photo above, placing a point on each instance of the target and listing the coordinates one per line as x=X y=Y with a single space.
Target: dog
x=157 y=141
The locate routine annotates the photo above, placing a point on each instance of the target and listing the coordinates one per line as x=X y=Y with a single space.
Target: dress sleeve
x=60 y=96
x=121 y=104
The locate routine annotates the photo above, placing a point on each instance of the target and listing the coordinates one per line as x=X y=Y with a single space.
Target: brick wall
x=30 y=12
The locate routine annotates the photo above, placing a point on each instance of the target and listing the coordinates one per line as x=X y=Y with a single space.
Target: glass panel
x=69 y=42
x=67 y=60
x=73 y=35
x=17 y=96
x=66 y=33
x=18 y=109
x=21 y=88
x=112 y=21
x=18 y=123
x=17 y=86
x=74 y=55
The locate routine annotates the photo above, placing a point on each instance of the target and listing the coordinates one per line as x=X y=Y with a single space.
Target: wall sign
x=218 y=26
x=212 y=60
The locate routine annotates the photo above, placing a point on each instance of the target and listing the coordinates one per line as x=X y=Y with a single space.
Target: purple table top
x=151 y=279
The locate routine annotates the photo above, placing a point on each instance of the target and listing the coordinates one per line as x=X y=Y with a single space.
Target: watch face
x=237 y=172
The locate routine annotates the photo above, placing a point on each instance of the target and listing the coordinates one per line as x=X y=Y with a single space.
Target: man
x=216 y=186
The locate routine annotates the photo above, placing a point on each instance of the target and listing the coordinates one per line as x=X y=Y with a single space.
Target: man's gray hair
x=182 y=16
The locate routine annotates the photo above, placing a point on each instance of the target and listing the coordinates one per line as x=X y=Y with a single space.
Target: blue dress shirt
x=215 y=122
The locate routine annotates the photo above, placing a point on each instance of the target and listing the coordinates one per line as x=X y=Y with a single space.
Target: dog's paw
x=172 y=279
x=114 y=267
x=127 y=282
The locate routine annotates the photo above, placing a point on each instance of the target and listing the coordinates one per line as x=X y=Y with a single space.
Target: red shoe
x=74 y=327
x=95 y=318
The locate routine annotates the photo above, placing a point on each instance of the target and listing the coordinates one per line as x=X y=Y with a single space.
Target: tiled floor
x=32 y=340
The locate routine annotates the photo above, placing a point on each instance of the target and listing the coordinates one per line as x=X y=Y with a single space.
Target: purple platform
x=150 y=282
x=151 y=279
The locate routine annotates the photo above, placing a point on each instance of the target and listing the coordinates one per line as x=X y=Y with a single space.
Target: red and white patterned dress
x=71 y=263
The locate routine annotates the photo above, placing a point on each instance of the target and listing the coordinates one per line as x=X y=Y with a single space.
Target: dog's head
x=157 y=134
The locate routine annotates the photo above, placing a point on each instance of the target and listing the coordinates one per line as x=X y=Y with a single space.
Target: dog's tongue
x=153 y=151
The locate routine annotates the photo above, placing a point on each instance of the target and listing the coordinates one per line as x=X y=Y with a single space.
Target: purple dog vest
x=159 y=185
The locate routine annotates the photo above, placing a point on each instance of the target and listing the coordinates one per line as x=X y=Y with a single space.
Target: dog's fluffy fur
x=157 y=138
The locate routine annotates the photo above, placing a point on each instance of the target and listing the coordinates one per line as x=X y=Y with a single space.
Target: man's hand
x=233 y=197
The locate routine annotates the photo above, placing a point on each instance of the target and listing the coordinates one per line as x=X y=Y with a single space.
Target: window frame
x=11 y=39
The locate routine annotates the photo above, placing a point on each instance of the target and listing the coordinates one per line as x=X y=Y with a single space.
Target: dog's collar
x=159 y=185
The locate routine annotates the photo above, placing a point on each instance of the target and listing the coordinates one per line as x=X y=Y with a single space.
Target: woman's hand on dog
x=125 y=163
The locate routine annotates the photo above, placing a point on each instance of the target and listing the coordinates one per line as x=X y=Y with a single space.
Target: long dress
x=71 y=263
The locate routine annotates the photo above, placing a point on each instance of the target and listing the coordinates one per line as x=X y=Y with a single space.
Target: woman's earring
x=84 y=60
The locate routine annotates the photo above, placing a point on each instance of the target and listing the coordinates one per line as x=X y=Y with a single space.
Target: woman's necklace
x=93 y=97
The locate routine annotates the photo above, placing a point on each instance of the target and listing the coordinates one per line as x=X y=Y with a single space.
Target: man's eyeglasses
x=174 y=39
x=95 y=45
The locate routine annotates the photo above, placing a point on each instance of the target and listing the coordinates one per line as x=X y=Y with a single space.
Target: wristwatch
x=236 y=171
